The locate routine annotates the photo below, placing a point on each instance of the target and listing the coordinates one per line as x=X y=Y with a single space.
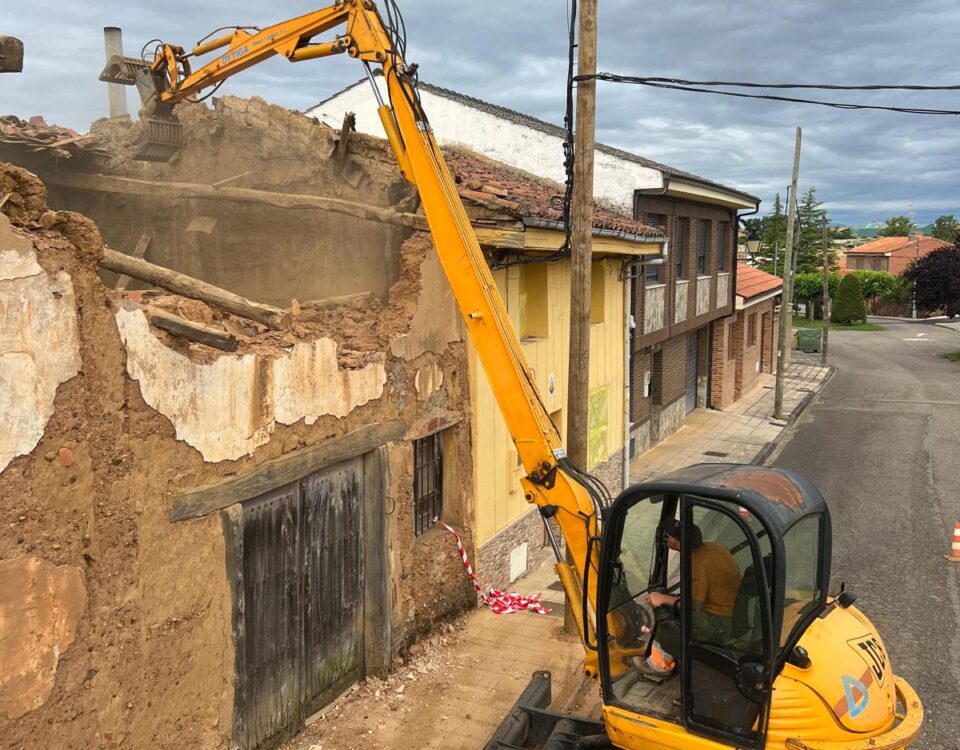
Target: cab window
x=802 y=593
x=726 y=618
x=638 y=548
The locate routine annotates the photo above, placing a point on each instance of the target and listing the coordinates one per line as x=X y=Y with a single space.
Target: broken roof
x=35 y=135
x=752 y=282
x=495 y=185
x=542 y=126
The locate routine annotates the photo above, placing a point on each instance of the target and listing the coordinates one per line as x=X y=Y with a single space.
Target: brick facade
x=744 y=345
x=661 y=349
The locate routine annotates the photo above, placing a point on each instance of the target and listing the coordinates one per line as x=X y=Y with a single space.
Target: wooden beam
x=123 y=281
x=179 y=190
x=283 y=470
x=343 y=147
x=180 y=283
x=191 y=331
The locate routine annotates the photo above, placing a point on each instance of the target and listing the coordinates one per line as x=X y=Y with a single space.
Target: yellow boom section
x=537 y=441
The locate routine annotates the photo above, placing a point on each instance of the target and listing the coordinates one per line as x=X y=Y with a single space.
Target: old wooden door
x=298 y=611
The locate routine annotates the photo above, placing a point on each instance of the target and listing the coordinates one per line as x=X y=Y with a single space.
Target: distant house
x=891 y=254
x=745 y=343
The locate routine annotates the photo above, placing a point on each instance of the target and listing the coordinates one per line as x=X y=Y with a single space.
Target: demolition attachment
x=162 y=132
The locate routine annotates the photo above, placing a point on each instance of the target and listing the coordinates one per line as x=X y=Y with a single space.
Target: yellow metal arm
x=537 y=440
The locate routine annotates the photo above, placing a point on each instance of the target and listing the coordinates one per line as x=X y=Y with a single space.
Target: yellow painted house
x=520 y=232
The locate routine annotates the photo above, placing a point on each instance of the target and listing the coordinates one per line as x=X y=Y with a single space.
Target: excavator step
x=162 y=137
x=122 y=70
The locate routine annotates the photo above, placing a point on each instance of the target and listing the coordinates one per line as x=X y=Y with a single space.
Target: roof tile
x=500 y=187
x=752 y=282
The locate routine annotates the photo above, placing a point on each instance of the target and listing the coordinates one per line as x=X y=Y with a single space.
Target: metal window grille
x=722 y=246
x=427 y=481
x=680 y=244
x=702 y=241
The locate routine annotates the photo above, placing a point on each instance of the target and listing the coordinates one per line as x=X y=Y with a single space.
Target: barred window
x=427 y=481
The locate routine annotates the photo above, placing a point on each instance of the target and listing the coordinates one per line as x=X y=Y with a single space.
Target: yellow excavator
x=791 y=668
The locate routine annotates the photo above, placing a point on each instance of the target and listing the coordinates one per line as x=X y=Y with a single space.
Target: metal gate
x=298 y=611
x=692 y=371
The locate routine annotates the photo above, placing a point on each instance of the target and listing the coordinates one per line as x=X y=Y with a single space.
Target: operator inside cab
x=715 y=581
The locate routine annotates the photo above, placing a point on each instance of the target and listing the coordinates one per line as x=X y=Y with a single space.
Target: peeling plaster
x=436 y=322
x=229 y=407
x=40 y=606
x=428 y=381
x=39 y=343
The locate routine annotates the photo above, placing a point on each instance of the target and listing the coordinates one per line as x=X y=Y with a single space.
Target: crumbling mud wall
x=118 y=621
x=265 y=252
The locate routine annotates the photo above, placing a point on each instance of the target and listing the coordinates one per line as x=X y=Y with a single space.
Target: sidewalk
x=743 y=433
x=457 y=686
x=953 y=325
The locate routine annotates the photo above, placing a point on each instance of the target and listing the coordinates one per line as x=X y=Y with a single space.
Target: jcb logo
x=872 y=653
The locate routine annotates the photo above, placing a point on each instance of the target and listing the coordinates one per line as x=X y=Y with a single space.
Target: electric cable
x=657 y=83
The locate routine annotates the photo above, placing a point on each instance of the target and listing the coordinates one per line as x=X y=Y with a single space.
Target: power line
x=825 y=86
x=658 y=83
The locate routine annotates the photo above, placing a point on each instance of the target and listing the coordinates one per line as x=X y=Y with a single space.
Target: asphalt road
x=882 y=442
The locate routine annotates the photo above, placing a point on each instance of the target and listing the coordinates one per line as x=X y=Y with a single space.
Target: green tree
x=849 y=306
x=811 y=218
x=876 y=283
x=946 y=228
x=897 y=226
x=936 y=280
x=772 y=228
x=808 y=288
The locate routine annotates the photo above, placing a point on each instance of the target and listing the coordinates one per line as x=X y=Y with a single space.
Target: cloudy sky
x=866 y=166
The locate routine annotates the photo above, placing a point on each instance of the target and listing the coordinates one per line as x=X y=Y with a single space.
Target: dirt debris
x=349 y=722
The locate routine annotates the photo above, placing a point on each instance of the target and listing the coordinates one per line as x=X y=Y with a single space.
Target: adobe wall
x=266 y=253
x=117 y=620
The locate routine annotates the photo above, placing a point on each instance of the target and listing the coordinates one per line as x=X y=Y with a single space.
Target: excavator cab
x=751 y=574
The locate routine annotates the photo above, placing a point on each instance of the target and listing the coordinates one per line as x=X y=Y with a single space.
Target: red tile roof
x=498 y=186
x=752 y=282
x=902 y=250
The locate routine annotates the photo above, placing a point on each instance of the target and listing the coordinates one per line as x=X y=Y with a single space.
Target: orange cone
x=954 y=555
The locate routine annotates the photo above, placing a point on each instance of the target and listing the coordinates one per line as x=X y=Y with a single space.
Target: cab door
x=727 y=651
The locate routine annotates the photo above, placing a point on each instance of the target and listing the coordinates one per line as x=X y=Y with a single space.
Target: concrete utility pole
x=786 y=302
x=578 y=381
x=826 y=295
x=11 y=55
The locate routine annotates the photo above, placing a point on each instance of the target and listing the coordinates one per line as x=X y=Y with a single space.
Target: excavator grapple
x=162 y=131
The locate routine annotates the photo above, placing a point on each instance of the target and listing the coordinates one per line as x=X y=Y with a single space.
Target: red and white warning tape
x=500 y=602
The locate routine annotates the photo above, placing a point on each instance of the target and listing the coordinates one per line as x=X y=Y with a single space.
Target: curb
x=767 y=450
x=948 y=326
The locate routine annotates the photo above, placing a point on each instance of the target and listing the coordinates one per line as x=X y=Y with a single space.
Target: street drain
x=716 y=454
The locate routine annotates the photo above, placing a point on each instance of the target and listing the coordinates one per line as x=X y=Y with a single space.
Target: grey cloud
x=864 y=165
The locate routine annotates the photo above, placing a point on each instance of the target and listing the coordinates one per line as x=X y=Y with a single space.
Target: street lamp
x=753 y=241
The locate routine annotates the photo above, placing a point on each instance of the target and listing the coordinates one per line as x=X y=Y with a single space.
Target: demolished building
x=220 y=513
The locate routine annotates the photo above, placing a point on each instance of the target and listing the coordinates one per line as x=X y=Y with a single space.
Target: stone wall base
x=494 y=557
x=672 y=417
